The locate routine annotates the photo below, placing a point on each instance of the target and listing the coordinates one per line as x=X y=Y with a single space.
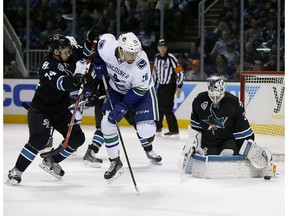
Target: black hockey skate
x=91 y=160
x=14 y=177
x=153 y=157
x=49 y=165
x=115 y=170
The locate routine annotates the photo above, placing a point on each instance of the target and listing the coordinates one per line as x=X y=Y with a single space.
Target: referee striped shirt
x=166 y=70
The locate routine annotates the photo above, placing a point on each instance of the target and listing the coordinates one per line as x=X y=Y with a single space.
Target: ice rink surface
x=83 y=190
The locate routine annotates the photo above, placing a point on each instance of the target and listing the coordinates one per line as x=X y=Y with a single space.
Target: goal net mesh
x=263 y=95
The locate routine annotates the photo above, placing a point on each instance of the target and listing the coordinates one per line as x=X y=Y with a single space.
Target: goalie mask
x=216 y=89
x=128 y=46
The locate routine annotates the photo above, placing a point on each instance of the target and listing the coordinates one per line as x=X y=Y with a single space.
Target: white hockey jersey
x=124 y=76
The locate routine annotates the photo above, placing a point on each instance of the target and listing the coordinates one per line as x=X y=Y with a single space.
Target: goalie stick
x=71 y=124
x=120 y=136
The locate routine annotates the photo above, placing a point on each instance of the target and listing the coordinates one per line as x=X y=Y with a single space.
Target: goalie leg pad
x=193 y=141
x=258 y=156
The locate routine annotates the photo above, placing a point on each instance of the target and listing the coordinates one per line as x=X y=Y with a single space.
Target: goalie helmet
x=216 y=89
x=58 y=41
x=128 y=42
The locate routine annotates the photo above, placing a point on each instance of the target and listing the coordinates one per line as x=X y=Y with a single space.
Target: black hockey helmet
x=58 y=41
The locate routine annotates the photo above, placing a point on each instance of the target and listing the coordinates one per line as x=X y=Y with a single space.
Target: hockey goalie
x=221 y=142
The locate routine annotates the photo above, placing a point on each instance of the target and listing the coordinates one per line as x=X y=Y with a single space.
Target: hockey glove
x=93 y=99
x=94 y=32
x=117 y=113
x=79 y=79
x=80 y=75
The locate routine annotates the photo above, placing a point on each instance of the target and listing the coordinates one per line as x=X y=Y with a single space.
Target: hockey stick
x=71 y=124
x=119 y=134
x=102 y=97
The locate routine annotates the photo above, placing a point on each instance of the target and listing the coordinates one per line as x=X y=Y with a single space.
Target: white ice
x=83 y=190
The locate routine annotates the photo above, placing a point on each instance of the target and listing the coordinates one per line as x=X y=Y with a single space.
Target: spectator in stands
x=258 y=66
x=147 y=39
x=47 y=33
x=131 y=23
x=34 y=35
x=220 y=45
x=232 y=56
x=248 y=64
x=253 y=33
x=271 y=64
x=144 y=10
x=12 y=71
x=269 y=33
x=194 y=51
x=237 y=74
x=58 y=20
x=253 y=9
x=226 y=12
x=251 y=53
x=221 y=69
x=84 y=20
x=41 y=19
x=195 y=73
x=216 y=34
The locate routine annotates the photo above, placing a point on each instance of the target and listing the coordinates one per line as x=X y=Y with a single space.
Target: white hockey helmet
x=128 y=42
x=216 y=89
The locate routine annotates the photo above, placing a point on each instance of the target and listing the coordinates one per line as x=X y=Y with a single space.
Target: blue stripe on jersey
x=60 y=83
x=243 y=134
x=195 y=124
x=98 y=139
x=65 y=153
x=28 y=154
x=143 y=141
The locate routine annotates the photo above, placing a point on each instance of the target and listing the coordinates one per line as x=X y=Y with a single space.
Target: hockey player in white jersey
x=127 y=67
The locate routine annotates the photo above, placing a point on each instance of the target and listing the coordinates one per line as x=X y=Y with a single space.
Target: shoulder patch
x=101 y=44
x=141 y=64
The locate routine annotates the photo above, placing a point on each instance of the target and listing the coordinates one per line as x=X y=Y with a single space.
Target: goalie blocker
x=253 y=161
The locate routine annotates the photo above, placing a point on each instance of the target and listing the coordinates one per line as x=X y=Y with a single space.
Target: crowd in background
x=221 y=42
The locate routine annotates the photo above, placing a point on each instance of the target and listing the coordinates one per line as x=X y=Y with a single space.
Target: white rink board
x=18 y=90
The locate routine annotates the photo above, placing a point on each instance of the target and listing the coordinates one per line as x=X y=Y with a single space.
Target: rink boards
x=17 y=91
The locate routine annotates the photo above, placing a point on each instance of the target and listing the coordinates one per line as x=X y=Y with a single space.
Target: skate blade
x=155 y=162
x=116 y=176
x=176 y=136
x=49 y=171
x=48 y=149
x=11 y=182
x=92 y=164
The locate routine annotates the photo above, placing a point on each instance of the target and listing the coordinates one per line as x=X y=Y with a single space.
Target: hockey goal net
x=263 y=95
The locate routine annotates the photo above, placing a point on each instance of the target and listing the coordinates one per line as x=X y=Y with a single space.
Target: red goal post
x=263 y=96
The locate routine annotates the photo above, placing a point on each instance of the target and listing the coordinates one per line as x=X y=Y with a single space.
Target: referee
x=168 y=76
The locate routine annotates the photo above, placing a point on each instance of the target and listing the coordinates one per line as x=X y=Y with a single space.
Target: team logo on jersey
x=141 y=64
x=215 y=122
x=61 y=67
x=204 y=105
x=101 y=44
x=46 y=123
